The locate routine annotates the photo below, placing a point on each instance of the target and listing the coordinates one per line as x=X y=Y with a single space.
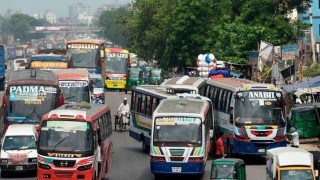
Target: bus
x=87 y=54
x=117 y=63
x=145 y=99
x=75 y=142
x=180 y=136
x=74 y=84
x=48 y=61
x=250 y=114
x=30 y=94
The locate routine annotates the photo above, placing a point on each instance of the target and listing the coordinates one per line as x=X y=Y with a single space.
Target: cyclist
x=124 y=111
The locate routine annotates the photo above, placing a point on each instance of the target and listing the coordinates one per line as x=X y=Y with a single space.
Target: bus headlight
x=43 y=166
x=4 y=161
x=85 y=167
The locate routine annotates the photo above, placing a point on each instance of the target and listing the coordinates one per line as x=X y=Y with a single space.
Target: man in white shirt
x=295 y=137
x=124 y=109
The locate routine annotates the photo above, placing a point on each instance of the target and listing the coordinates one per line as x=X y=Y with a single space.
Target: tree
x=111 y=28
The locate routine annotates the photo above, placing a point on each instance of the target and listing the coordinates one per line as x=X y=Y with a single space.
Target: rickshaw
x=156 y=76
x=228 y=168
x=134 y=78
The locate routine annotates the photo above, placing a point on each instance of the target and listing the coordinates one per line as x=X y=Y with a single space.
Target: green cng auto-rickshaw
x=134 y=78
x=228 y=168
x=156 y=76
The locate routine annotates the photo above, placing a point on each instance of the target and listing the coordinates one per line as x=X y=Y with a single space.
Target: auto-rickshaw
x=134 y=78
x=228 y=168
x=156 y=76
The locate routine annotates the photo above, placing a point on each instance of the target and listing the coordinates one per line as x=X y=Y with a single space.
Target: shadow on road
x=22 y=175
x=253 y=160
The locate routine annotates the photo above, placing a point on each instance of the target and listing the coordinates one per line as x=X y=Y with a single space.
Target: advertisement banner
x=289 y=52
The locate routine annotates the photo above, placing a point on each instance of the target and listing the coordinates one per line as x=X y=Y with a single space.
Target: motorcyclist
x=124 y=111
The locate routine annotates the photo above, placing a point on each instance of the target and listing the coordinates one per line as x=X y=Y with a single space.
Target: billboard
x=52 y=28
x=288 y=52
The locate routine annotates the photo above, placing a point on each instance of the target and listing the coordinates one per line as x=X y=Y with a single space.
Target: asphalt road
x=129 y=162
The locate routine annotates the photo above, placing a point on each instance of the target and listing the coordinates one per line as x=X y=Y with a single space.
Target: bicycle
x=119 y=121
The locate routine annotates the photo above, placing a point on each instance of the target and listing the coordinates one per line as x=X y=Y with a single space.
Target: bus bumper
x=255 y=148
x=177 y=168
x=65 y=174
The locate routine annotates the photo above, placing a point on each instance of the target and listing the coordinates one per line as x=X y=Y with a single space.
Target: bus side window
x=139 y=100
x=148 y=106
x=143 y=104
x=133 y=102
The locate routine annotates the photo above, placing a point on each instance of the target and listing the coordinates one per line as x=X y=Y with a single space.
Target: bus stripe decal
x=196 y=151
x=153 y=150
x=200 y=151
x=192 y=151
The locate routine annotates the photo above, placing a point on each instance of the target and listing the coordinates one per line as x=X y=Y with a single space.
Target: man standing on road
x=295 y=137
x=220 y=147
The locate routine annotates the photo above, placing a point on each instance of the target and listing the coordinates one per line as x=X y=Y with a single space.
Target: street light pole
x=312 y=36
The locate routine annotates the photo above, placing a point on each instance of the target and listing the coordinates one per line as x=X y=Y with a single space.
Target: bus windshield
x=156 y=73
x=296 y=174
x=117 y=64
x=84 y=58
x=28 y=103
x=258 y=107
x=66 y=136
x=178 y=131
x=19 y=143
x=75 y=91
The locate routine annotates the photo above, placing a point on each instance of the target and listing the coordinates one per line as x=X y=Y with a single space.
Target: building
x=77 y=9
x=51 y=17
x=315 y=18
x=85 y=19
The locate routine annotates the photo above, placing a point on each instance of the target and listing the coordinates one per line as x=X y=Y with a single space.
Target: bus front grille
x=176 y=158
x=61 y=174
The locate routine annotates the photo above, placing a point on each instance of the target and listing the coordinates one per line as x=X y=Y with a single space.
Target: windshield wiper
x=32 y=114
x=69 y=97
x=10 y=149
x=228 y=175
x=55 y=146
x=79 y=60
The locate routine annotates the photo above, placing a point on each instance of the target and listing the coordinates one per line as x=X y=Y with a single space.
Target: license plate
x=262 y=150
x=19 y=168
x=115 y=85
x=176 y=169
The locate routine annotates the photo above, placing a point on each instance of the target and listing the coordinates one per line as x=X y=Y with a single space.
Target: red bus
x=75 y=142
x=30 y=94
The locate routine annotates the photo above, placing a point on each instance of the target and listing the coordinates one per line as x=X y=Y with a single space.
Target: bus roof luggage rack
x=78 y=106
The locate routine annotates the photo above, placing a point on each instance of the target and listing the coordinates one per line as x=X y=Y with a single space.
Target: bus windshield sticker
x=73 y=83
x=30 y=94
x=41 y=64
x=67 y=126
x=177 y=120
x=83 y=46
x=118 y=55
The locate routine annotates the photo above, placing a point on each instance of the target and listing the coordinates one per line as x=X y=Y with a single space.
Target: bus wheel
x=145 y=147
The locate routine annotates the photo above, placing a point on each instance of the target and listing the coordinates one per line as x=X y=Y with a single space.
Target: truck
x=289 y=163
x=2 y=68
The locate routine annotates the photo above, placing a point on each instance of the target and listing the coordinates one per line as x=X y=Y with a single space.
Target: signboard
x=33 y=94
x=73 y=83
x=83 y=46
x=52 y=28
x=53 y=65
x=287 y=72
x=288 y=52
x=119 y=55
x=177 y=120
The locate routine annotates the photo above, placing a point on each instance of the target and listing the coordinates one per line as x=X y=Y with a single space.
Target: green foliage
x=175 y=32
x=312 y=71
x=19 y=25
x=112 y=29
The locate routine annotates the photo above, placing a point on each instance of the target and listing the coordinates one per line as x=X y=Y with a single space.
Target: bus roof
x=153 y=90
x=86 y=41
x=71 y=111
x=182 y=106
x=235 y=84
x=116 y=50
x=185 y=80
x=48 y=57
x=72 y=74
x=32 y=75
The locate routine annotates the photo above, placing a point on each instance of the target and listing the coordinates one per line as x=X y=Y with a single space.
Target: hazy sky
x=60 y=7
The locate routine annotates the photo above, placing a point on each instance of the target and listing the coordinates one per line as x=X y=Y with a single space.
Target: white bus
x=145 y=99
x=250 y=114
x=180 y=136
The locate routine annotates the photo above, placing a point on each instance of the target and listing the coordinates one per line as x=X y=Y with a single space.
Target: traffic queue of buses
x=177 y=123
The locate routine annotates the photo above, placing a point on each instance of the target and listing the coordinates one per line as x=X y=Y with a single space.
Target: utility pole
x=312 y=36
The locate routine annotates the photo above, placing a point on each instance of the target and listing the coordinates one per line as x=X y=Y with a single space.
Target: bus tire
x=145 y=147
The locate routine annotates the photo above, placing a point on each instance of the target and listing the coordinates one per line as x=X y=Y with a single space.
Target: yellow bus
x=117 y=62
